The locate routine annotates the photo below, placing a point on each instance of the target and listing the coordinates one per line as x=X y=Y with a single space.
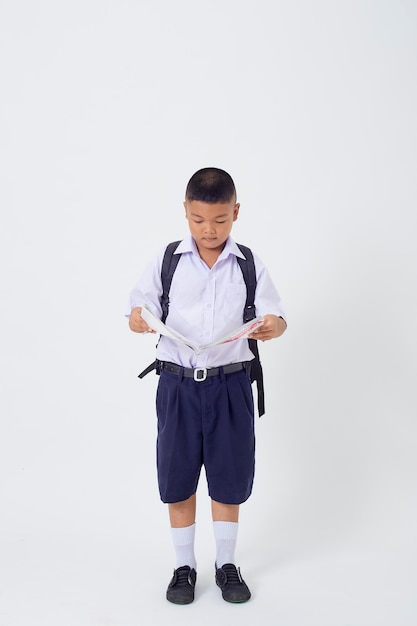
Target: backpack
x=247 y=265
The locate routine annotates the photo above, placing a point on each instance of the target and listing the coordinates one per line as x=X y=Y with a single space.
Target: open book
x=239 y=333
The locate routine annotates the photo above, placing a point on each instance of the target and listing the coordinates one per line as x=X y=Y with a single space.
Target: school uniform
x=205 y=419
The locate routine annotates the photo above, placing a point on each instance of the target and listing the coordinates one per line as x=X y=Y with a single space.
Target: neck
x=210 y=256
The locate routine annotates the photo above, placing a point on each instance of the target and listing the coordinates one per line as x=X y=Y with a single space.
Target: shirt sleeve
x=148 y=288
x=267 y=298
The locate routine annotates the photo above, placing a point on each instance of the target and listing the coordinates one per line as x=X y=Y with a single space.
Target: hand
x=137 y=323
x=272 y=327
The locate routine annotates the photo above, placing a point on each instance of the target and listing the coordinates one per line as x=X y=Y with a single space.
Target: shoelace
x=233 y=574
x=183 y=577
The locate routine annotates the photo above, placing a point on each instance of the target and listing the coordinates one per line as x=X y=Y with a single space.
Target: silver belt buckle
x=200 y=374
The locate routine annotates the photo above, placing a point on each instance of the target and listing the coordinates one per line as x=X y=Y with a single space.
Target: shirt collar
x=188 y=245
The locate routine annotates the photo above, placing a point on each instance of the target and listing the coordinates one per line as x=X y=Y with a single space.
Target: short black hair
x=211 y=185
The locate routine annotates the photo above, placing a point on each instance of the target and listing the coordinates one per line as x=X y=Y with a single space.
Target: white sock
x=183 y=540
x=225 y=534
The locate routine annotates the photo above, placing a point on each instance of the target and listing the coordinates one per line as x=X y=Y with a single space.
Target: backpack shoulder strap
x=247 y=266
x=169 y=264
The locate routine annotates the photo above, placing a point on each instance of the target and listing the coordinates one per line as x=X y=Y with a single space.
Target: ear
x=236 y=211
x=185 y=207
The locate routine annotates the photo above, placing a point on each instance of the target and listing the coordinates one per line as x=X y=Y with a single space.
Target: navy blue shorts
x=208 y=423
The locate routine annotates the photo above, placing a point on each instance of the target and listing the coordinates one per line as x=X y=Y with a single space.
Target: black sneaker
x=230 y=581
x=181 y=588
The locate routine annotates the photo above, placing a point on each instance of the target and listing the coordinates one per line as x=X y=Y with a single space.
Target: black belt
x=201 y=373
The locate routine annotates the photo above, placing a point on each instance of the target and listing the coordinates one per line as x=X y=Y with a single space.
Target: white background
x=107 y=108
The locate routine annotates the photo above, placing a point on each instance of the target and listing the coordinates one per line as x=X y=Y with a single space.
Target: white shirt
x=205 y=304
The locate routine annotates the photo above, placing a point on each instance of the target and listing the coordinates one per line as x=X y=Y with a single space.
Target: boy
x=206 y=420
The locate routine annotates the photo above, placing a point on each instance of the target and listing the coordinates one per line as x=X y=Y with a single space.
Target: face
x=210 y=224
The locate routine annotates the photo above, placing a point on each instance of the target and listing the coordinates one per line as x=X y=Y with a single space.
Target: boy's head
x=210 y=208
x=211 y=185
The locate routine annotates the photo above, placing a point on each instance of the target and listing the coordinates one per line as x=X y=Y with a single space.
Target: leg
x=224 y=512
x=182 y=519
x=179 y=466
x=182 y=514
x=228 y=577
x=225 y=525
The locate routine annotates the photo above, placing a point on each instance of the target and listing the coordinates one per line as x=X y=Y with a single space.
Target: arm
x=147 y=290
x=267 y=299
x=272 y=327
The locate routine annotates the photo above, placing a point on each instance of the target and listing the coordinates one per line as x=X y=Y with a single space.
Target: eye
x=220 y=221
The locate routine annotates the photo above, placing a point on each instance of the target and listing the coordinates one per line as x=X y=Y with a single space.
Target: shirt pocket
x=232 y=303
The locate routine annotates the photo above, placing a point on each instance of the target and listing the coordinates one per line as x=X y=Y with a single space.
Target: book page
x=239 y=333
x=156 y=324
